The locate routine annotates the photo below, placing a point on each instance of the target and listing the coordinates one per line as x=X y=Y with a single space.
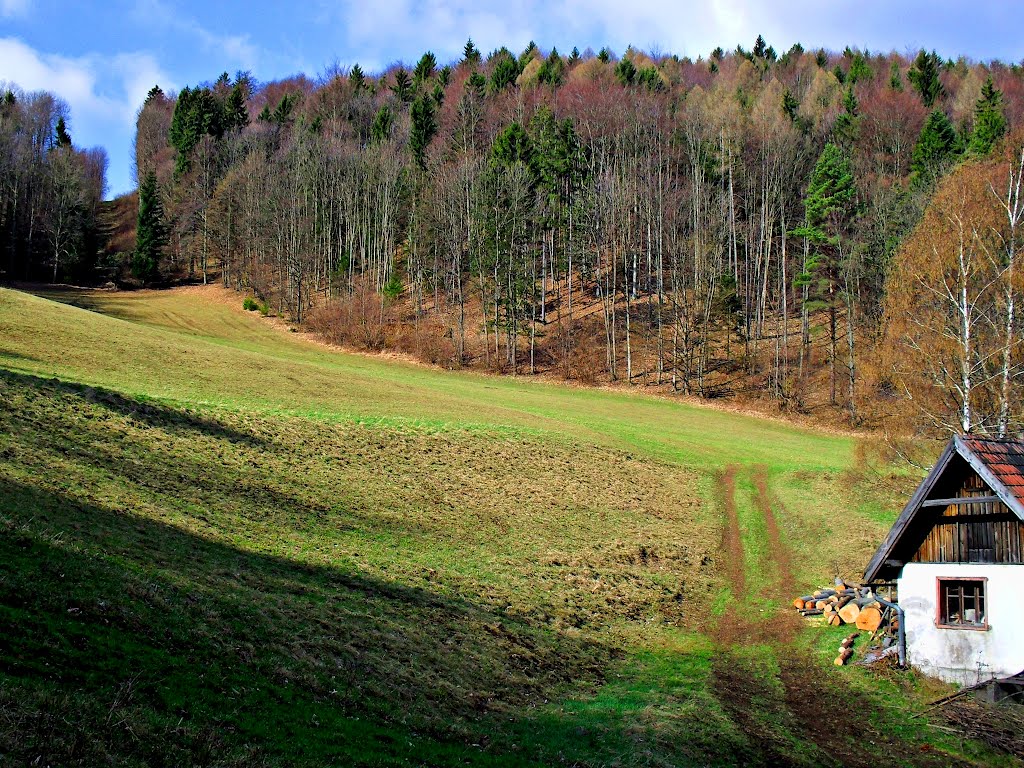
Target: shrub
x=250 y=304
x=393 y=287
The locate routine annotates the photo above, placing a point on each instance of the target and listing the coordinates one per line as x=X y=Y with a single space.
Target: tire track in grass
x=736 y=678
x=763 y=676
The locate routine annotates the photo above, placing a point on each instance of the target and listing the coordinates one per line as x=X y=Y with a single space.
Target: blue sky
x=102 y=57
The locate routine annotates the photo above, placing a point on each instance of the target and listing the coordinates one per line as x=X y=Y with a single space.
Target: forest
x=834 y=233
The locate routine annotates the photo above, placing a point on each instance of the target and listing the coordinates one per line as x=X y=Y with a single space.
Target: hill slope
x=223 y=545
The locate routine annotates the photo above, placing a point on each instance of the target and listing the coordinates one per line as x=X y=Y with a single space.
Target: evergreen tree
x=829 y=196
x=895 y=77
x=625 y=72
x=847 y=125
x=356 y=78
x=790 y=105
x=424 y=68
x=989 y=120
x=424 y=126
x=283 y=111
x=760 y=47
x=924 y=76
x=470 y=54
x=235 y=113
x=63 y=138
x=196 y=114
x=150 y=235
x=827 y=207
x=476 y=84
x=402 y=87
x=574 y=57
x=604 y=55
x=935 y=147
x=860 y=70
x=650 y=78
x=513 y=145
x=527 y=55
x=383 y=122
x=551 y=71
x=505 y=71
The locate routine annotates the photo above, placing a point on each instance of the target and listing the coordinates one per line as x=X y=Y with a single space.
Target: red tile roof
x=1004 y=459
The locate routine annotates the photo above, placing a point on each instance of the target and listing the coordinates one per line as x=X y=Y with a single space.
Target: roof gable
x=1000 y=463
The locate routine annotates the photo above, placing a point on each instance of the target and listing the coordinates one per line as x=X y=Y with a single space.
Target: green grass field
x=222 y=544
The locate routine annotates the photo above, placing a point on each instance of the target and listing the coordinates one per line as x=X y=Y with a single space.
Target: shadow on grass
x=151 y=413
x=8 y=355
x=204 y=651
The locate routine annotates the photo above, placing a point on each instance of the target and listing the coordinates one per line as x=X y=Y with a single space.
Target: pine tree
x=235 y=113
x=197 y=113
x=150 y=235
x=526 y=55
x=402 y=87
x=829 y=194
x=512 y=145
x=551 y=71
x=790 y=105
x=989 y=120
x=424 y=68
x=625 y=72
x=924 y=76
x=505 y=71
x=760 y=47
x=63 y=138
x=356 y=78
x=935 y=147
x=574 y=57
x=470 y=54
x=476 y=84
x=895 y=77
x=827 y=206
x=283 y=112
x=860 y=70
x=383 y=122
x=847 y=126
x=422 y=130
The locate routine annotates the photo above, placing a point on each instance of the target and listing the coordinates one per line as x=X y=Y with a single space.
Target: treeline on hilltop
x=714 y=226
x=50 y=192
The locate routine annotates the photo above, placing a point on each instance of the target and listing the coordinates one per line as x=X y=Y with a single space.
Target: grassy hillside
x=221 y=544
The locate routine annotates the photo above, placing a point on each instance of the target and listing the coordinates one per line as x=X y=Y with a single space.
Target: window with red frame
x=962 y=604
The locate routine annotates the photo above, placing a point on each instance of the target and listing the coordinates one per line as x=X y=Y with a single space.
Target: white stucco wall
x=964 y=656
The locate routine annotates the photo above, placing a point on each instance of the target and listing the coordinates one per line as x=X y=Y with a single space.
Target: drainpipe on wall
x=902 y=633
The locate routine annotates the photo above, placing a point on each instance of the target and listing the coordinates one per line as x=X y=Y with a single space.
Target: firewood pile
x=853 y=604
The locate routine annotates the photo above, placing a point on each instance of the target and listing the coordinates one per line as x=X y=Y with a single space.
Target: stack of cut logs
x=852 y=604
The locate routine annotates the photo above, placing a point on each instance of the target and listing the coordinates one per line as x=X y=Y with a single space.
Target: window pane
x=961 y=603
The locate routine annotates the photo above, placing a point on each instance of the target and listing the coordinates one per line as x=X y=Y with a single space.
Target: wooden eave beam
x=961 y=501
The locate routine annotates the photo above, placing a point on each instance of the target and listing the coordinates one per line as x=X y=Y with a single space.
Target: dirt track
x=797 y=715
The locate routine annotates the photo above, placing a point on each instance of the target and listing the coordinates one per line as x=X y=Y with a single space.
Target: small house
x=956 y=555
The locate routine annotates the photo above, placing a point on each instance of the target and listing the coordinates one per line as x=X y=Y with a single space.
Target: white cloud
x=14 y=8
x=103 y=92
x=237 y=48
x=375 y=34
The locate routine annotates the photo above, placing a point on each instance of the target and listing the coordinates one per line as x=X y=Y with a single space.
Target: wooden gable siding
x=982 y=532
